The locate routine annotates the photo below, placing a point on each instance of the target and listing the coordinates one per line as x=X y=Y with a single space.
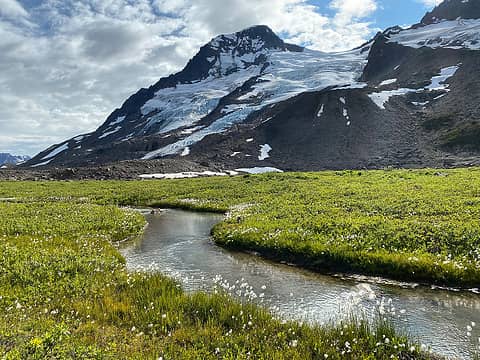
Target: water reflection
x=178 y=244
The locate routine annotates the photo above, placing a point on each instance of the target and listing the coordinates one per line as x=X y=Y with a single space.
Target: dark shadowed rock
x=453 y=10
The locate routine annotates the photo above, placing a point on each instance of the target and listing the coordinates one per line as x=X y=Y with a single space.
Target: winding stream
x=177 y=243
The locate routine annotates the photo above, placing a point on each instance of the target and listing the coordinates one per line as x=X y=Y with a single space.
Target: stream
x=178 y=244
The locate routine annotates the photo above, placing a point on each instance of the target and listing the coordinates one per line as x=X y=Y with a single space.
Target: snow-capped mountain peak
x=240 y=50
x=228 y=53
x=251 y=40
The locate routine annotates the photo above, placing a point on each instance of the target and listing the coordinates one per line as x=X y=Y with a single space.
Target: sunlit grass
x=421 y=225
x=65 y=294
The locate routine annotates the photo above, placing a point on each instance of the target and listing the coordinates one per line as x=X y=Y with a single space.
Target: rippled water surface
x=178 y=244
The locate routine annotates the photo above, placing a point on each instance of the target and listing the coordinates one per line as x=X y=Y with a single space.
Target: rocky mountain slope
x=408 y=98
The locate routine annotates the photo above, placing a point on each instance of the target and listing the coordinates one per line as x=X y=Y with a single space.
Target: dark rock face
x=383 y=57
x=452 y=10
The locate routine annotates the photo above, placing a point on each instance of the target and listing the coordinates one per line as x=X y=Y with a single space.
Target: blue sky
x=65 y=65
x=389 y=13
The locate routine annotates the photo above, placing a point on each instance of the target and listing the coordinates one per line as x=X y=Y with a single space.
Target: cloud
x=349 y=10
x=430 y=3
x=297 y=20
x=12 y=9
x=71 y=63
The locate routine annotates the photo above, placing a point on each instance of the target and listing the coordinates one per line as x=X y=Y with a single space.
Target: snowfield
x=458 y=34
x=288 y=75
x=438 y=83
x=259 y=170
x=56 y=150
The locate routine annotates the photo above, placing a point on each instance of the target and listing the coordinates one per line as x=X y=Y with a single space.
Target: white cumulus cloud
x=431 y=3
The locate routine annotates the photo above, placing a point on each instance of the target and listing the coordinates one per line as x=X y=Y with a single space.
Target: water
x=178 y=244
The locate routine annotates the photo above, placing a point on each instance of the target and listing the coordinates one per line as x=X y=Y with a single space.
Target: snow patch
x=264 y=152
x=233 y=107
x=320 y=112
x=117 y=121
x=420 y=103
x=185 y=152
x=381 y=98
x=55 y=152
x=79 y=138
x=250 y=95
x=216 y=127
x=108 y=133
x=186 y=104
x=191 y=130
x=42 y=164
x=186 y=175
x=358 y=85
x=439 y=97
x=438 y=82
x=259 y=170
x=388 y=82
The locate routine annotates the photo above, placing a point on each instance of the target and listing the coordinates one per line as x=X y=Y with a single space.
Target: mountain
x=453 y=10
x=9 y=159
x=408 y=98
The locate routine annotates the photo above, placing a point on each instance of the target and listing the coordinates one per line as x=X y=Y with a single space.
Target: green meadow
x=65 y=292
x=421 y=225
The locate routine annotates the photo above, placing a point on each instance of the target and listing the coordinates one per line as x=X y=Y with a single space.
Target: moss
x=438 y=122
x=467 y=137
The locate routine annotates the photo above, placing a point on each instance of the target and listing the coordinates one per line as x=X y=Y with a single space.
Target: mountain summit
x=407 y=98
x=228 y=53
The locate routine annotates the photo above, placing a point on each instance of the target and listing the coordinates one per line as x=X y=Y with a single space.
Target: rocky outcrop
x=453 y=10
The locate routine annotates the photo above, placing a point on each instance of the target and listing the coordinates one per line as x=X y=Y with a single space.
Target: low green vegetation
x=65 y=292
x=421 y=225
x=466 y=137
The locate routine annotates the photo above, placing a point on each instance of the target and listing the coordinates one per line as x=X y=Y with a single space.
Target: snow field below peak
x=288 y=75
x=457 y=34
x=437 y=83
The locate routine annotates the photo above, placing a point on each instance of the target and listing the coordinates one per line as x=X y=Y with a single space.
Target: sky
x=65 y=65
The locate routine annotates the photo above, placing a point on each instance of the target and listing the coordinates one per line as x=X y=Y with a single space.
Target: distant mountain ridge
x=408 y=98
x=6 y=158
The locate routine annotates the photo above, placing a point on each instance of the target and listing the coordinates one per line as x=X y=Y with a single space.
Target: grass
x=65 y=292
x=421 y=225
